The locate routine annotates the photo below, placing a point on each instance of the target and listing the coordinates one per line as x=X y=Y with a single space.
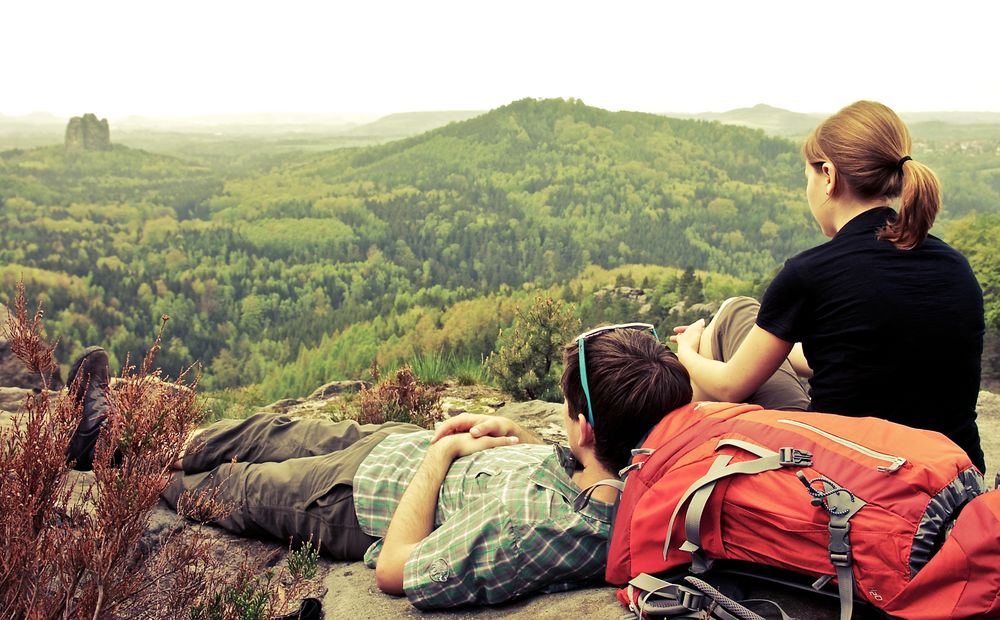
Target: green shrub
x=435 y=369
x=431 y=369
x=470 y=371
x=528 y=359
x=248 y=599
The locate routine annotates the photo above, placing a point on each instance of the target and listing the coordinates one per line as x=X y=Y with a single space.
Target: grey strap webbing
x=583 y=497
x=840 y=557
x=845 y=591
x=747 y=446
x=756 y=466
x=841 y=504
x=662 y=598
x=692 y=520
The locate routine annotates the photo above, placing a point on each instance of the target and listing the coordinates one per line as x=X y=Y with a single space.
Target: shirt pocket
x=484 y=477
x=461 y=487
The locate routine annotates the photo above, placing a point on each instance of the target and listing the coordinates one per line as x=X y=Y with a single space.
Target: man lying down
x=480 y=511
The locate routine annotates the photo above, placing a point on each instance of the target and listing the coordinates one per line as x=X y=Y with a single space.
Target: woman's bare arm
x=760 y=354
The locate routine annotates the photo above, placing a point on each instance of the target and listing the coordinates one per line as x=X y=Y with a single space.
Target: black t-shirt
x=894 y=334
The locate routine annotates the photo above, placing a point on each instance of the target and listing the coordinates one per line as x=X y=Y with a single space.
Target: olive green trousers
x=285 y=478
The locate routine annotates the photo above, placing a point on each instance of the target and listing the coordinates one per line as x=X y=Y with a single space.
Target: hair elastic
x=903 y=160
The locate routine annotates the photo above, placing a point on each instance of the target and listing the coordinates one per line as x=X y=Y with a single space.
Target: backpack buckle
x=690 y=598
x=840 y=544
x=791 y=457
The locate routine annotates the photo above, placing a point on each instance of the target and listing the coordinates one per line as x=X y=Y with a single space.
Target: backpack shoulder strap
x=651 y=596
x=583 y=497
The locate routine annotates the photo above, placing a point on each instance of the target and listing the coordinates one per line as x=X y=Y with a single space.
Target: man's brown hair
x=634 y=381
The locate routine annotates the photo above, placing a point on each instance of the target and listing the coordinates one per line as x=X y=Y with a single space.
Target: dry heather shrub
x=400 y=398
x=72 y=550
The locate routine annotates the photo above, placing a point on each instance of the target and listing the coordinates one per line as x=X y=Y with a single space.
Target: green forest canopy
x=373 y=252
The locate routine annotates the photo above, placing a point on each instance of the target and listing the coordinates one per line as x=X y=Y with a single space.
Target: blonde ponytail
x=919 y=203
x=869 y=145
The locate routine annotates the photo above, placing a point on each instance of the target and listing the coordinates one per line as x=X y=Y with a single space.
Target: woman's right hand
x=689 y=336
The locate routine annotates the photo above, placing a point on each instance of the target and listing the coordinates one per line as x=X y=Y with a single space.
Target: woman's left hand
x=689 y=336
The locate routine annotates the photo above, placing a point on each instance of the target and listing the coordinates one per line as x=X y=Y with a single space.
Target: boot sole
x=79 y=362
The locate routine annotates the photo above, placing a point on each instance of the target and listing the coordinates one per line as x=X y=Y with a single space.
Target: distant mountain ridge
x=786 y=123
x=395 y=124
x=774 y=121
x=405 y=124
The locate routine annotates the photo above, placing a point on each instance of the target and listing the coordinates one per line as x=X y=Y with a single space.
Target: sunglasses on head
x=597 y=331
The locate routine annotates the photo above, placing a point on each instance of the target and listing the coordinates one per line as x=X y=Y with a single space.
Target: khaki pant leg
x=265 y=437
x=728 y=329
x=305 y=498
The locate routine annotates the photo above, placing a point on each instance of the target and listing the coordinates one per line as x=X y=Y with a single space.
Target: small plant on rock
x=302 y=561
x=400 y=398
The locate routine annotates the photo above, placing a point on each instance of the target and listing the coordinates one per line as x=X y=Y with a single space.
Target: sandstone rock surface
x=87 y=133
x=348 y=590
x=319 y=402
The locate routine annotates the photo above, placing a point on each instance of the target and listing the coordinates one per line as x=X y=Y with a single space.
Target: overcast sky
x=187 y=57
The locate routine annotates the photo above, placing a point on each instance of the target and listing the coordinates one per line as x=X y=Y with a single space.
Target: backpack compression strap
x=701 y=490
x=841 y=504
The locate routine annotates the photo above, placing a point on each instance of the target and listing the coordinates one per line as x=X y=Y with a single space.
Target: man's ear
x=829 y=172
x=586 y=431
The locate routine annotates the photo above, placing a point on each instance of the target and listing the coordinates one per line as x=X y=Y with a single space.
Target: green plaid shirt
x=504 y=526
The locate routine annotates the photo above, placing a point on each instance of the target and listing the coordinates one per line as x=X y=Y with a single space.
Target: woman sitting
x=890 y=319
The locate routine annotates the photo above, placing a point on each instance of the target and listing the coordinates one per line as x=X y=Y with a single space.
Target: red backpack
x=864 y=501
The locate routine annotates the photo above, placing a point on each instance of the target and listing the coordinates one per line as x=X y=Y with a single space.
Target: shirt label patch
x=440 y=570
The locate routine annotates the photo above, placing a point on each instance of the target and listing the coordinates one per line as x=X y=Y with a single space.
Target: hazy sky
x=188 y=57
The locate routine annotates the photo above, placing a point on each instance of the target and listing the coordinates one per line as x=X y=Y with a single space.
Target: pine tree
x=526 y=362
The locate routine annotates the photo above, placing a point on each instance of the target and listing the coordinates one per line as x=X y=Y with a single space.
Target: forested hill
x=375 y=246
x=50 y=176
x=537 y=190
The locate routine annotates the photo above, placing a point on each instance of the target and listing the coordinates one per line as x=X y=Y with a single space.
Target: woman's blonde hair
x=869 y=146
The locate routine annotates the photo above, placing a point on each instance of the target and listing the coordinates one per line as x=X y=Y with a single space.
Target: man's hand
x=463 y=444
x=477 y=426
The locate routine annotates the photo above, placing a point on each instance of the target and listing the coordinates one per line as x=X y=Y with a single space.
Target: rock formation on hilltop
x=87 y=133
x=12 y=371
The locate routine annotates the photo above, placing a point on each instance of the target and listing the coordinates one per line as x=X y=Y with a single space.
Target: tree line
x=338 y=257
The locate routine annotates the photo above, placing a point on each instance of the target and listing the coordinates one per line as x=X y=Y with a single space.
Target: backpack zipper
x=895 y=462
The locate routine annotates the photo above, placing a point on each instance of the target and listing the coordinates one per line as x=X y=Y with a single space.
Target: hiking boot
x=88 y=378
x=310 y=609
